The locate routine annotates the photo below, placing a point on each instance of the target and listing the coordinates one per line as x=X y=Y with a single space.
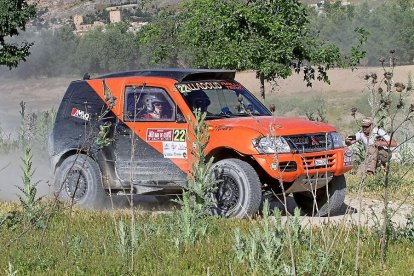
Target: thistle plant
x=261 y=248
x=28 y=126
x=127 y=239
x=44 y=124
x=7 y=143
x=29 y=201
x=392 y=111
x=408 y=231
x=197 y=199
x=200 y=185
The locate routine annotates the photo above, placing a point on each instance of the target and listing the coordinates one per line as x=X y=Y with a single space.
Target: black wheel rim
x=227 y=194
x=75 y=184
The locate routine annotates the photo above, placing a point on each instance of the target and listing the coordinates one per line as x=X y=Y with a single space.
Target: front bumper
x=288 y=167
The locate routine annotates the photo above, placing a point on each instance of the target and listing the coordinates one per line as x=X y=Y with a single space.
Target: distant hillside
x=63 y=9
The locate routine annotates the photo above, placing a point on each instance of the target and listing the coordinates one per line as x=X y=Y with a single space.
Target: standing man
x=376 y=142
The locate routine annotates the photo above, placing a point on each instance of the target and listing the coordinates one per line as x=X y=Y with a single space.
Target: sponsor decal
x=80 y=114
x=174 y=150
x=166 y=134
x=159 y=134
x=205 y=85
x=231 y=85
x=222 y=128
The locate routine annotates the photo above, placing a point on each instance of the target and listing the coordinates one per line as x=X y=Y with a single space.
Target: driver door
x=151 y=149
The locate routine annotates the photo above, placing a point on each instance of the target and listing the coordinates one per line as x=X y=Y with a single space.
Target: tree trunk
x=262 y=87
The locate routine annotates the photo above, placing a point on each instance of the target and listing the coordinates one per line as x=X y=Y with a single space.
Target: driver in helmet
x=199 y=100
x=154 y=105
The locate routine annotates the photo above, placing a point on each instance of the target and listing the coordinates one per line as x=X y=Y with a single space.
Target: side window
x=144 y=103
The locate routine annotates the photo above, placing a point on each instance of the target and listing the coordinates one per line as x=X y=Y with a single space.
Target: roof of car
x=177 y=74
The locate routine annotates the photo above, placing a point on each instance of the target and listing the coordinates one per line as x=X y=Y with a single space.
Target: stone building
x=115 y=16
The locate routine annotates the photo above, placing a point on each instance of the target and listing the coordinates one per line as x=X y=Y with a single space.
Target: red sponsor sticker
x=156 y=134
x=231 y=85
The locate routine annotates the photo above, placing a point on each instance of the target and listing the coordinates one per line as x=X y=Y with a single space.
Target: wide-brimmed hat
x=366 y=122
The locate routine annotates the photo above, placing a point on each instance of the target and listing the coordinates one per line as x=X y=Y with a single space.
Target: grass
x=401 y=184
x=90 y=247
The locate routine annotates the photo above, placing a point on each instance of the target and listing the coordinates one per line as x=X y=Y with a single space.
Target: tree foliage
x=61 y=52
x=14 y=15
x=391 y=26
x=232 y=34
x=271 y=37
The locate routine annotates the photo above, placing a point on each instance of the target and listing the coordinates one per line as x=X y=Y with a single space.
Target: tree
x=158 y=42
x=111 y=50
x=390 y=26
x=14 y=15
x=270 y=37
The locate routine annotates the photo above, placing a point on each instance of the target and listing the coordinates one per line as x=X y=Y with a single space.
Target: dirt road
x=365 y=210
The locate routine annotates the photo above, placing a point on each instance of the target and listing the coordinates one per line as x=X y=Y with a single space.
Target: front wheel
x=79 y=180
x=324 y=201
x=239 y=190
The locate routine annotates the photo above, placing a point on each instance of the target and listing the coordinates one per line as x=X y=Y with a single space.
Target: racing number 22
x=179 y=135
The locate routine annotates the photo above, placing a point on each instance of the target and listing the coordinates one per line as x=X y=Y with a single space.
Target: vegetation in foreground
x=92 y=242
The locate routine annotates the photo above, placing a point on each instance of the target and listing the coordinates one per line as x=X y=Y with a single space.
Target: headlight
x=337 y=140
x=271 y=145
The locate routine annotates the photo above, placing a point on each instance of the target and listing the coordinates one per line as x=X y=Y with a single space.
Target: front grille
x=310 y=142
x=319 y=161
x=290 y=166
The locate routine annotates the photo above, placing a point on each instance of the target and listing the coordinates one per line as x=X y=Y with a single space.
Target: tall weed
x=128 y=239
x=32 y=211
x=29 y=201
x=261 y=248
x=197 y=198
x=408 y=231
x=7 y=142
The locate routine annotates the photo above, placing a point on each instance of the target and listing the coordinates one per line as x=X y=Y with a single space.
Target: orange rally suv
x=126 y=133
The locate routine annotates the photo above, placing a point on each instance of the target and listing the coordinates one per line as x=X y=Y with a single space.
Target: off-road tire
x=80 y=175
x=245 y=188
x=321 y=206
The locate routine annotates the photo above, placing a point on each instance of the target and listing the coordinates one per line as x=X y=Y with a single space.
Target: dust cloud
x=11 y=172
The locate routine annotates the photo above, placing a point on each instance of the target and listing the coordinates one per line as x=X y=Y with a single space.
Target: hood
x=282 y=126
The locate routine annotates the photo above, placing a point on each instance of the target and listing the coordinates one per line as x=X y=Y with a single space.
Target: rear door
x=151 y=146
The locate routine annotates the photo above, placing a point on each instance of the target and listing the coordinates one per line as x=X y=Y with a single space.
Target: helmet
x=150 y=99
x=199 y=100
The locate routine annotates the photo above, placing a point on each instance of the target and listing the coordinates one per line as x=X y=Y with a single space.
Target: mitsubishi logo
x=314 y=141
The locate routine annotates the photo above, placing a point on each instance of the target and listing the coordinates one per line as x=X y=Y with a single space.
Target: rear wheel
x=324 y=201
x=239 y=190
x=79 y=180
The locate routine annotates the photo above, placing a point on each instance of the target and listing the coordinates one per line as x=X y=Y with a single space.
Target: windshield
x=221 y=99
